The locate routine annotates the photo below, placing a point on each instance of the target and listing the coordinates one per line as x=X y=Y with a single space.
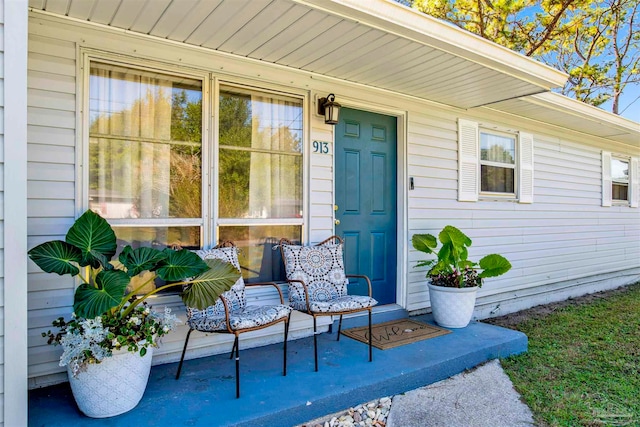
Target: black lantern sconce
x=330 y=109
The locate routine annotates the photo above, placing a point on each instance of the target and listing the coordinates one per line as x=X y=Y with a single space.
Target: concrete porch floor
x=205 y=393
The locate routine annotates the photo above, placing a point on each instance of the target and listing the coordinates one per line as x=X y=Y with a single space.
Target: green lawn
x=583 y=363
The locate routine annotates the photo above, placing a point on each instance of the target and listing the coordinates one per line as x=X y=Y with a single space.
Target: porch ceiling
x=377 y=43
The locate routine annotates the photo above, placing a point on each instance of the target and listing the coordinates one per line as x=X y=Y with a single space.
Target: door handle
x=337 y=221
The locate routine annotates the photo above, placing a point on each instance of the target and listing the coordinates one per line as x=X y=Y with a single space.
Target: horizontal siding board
x=52 y=47
x=41 y=281
x=49 y=299
x=44 y=135
x=40 y=320
x=49 y=227
x=50 y=172
x=53 y=82
x=51 y=64
x=40 y=153
x=51 y=118
x=51 y=190
x=50 y=208
x=51 y=100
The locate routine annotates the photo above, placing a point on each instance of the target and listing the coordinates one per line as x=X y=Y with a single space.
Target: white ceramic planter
x=452 y=307
x=113 y=386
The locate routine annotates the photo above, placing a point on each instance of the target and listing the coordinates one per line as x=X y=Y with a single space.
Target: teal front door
x=365 y=156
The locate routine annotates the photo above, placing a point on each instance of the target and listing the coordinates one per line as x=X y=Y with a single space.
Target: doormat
x=395 y=333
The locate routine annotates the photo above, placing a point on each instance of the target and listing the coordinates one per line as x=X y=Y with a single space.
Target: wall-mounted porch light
x=329 y=108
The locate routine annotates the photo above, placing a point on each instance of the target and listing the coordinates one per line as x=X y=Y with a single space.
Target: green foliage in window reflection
x=260 y=163
x=145 y=160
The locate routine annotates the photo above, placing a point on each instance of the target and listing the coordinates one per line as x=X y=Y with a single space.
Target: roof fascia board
x=537 y=126
x=394 y=18
x=583 y=110
x=566 y=107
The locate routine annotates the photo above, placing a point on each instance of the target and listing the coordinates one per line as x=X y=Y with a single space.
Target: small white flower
x=147 y=311
x=166 y=329
x=136 y=321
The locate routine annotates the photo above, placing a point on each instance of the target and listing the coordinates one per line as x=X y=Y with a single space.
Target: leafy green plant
x=452 y=267
x=109 y=310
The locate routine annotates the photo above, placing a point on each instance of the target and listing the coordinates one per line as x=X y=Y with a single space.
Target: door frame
x=402 y=186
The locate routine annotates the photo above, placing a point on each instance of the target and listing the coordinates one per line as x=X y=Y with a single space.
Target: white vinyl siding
x=51 y=187
x=633 y=190
x=321 y=190
x=547 y=241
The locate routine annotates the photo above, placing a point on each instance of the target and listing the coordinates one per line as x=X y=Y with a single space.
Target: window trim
x=627 y=201
x=249 y=87
x=90 y=56
x=211 y=82
x=514 y=165
x=469 y=166
x=633 y=191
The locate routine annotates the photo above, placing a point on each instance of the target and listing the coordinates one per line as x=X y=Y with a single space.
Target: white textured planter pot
x=113 y=386
x=452 y=307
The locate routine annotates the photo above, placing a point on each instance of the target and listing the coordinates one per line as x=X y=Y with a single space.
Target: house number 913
x=321 y=147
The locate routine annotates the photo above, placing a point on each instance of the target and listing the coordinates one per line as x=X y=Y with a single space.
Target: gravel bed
x=372 y=414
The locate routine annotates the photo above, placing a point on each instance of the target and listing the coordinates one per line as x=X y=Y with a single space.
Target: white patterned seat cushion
x=250 y=317
x=235 y=297
x=321 y=268
x=346 y=303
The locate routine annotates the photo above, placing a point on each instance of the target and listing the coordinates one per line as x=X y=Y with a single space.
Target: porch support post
x=13 y=143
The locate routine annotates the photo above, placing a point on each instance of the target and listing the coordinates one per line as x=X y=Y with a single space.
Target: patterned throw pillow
x=235 y=297
x=321 y=268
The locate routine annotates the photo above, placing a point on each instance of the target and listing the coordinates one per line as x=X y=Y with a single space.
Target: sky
x=629 y=103
x=631 y=108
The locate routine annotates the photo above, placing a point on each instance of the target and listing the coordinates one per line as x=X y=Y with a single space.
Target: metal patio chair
x=318 y=284
x=232 y=315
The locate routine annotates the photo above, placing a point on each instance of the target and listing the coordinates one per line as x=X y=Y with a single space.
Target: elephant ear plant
x=110 y=313
x=452 y=267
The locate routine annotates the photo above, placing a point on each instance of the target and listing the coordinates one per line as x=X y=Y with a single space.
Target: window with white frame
x=145 y=160
x=494 y=163
x=497 y=163
x=620 y=180
x=145 y=155
x=260 y=175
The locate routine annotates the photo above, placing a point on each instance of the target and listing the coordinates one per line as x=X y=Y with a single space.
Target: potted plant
x=108 y=342
x=454 y=279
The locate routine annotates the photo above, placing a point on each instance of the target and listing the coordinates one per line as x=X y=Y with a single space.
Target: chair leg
x=370 y=339
x=235 y=343
x=184 y=349
x=339 y=327
x=236 y=346
x=315 y=343
x=286 y=334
